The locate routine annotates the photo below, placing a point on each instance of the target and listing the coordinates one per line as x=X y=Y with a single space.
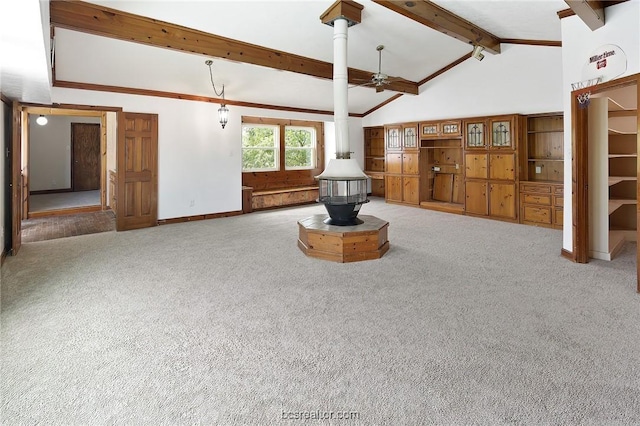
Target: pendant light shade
x=223 y=111
x=223 y=115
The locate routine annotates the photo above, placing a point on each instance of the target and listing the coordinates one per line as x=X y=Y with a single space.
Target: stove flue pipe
x=340 y=88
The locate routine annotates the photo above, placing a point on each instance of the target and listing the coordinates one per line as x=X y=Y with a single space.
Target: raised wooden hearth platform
x=366 y=241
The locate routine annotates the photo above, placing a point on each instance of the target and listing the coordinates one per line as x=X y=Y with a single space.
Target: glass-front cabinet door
x=451 y=129
x=501 y=133
x=410 y=136
x=393 y=138
x=475 y=135
x=429 y=129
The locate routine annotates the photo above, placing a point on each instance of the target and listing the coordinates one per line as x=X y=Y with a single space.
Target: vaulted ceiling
x=98 y=48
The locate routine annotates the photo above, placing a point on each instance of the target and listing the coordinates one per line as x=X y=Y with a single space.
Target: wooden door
x=411 y=190
x=476 y=166
x=393 y=163
x=502 y=166
x=476 y=198
x=85 y=164
x=502 y=200
x=410 y=163
x=16 y=180
x=393 y=188
x=137 y=171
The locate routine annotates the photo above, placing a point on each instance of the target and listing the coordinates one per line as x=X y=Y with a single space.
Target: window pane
x=298 y=158
x=298 y=137
x=259 y=159
x=254 y=136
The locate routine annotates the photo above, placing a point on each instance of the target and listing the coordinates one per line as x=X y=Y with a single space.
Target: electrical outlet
x=538 y=169
x=457 y=166
x=436 y=168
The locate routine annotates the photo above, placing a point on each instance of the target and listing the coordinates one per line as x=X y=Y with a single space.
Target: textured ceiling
x=412 y=50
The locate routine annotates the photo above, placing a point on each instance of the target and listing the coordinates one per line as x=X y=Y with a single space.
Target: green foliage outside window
x=299 y=148
x=259 y=147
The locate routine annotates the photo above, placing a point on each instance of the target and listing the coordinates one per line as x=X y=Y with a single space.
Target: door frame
x=81 y=111
x=580 y=167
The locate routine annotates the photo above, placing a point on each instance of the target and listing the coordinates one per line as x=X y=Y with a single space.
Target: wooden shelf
x=615 y=204
x=617 y=179
x=546 y=159
x=623 y=155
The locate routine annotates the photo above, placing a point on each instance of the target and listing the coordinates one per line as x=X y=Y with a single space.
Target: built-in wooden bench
x=281 y=197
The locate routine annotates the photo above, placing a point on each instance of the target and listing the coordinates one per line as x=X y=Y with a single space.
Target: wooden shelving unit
x=542 y=172
x=623 y=183
x=374 y=158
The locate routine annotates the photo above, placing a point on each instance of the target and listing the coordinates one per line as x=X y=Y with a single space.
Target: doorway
x=605 y=208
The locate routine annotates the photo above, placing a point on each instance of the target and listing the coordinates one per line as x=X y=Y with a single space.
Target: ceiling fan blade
x=368 y=83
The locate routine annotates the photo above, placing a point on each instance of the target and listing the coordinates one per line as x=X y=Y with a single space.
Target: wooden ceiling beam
x=433 y=16
x=112 y=23
x=590 y=11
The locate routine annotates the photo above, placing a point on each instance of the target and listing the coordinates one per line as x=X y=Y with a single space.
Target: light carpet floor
x=464 y=321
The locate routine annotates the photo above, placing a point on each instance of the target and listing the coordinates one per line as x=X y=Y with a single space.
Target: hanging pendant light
x=223 y=111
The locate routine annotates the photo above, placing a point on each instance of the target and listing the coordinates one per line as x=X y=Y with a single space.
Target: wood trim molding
x=183 y=96
x=421 y=82
x=51 y=191
x=623 y=113
x=580 y=181
x=549 y=43
x=440 y=19
x=347 y=9
x=565 y=13
x=3 y=256
x=388 y=101
x=567 y=255
x=5 y=99
x=113 y=23
x=198 y=217
x=445 y=69
x=590 y=11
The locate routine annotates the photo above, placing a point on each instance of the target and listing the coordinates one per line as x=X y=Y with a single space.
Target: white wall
x=578 y=41
x=197 y=160
x=50 y=151
x=521 y=79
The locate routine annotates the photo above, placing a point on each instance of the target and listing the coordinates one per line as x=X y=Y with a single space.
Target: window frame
x=275 y=148
x=313 y=148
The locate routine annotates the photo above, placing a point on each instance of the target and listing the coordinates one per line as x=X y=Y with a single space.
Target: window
x=299 y=148
x=260 y=148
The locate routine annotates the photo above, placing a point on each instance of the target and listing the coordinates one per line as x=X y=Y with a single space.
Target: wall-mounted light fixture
x=477 y=52
x=223 y=111
x=42 y=120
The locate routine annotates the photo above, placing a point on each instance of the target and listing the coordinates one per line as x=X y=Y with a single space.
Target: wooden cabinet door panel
x=502 y=200
x=476 y=166
x=476 y=198
x=393 y=188
x=393 y=164
x=411 y=190
x=502 y=166
x=536 y=214
x=410 y=163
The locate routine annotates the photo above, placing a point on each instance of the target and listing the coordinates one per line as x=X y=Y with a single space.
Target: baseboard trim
x=63 y=212
x=51 y=191
x=568 y=255
x=198 y=217
x=3 y=256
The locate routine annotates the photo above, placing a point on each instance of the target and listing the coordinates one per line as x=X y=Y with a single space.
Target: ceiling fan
x=379 y=79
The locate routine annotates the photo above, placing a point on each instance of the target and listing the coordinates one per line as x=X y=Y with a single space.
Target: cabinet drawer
x=558 y=201
x=544 y=200
x=537 y=214
x=526 y=187
x=558 y=190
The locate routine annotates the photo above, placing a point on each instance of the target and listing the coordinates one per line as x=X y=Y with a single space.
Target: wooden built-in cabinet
x=374 y=158
x=542 y=171
x=402 y=172
x=491 y=166
x=441 y=169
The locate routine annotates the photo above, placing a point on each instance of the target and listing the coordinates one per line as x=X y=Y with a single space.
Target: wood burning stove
x=342 y=189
